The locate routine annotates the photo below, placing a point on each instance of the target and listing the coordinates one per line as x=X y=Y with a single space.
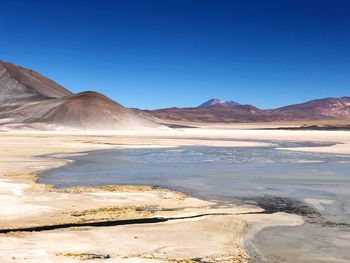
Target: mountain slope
x=20 y=83
x=328 y=108
x=86 y=110
x=29 y=100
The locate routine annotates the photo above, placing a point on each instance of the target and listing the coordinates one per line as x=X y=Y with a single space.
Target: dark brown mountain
x=29 y=100
x=321 y=109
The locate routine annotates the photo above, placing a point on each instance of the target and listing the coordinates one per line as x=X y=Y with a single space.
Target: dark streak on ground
x=152 y=220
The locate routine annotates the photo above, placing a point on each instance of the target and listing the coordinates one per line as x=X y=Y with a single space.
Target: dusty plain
x=191 y=230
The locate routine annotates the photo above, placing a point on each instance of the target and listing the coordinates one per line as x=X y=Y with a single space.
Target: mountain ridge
x=318 y=109
x=33 y=101
x=17 y=81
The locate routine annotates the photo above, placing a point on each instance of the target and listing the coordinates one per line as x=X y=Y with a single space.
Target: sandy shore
x=194 y=229
x=247 y=136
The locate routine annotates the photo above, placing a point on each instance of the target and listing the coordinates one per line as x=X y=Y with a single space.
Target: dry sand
x=220 y=234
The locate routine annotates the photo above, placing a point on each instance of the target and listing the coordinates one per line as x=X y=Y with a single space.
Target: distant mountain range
x=216 y=110
x=30 y=100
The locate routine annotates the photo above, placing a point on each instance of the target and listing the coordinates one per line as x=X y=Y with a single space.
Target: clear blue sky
x=154 y=54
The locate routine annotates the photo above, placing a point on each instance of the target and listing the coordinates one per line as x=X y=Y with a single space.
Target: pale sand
x=220 y=237
x=197 y=136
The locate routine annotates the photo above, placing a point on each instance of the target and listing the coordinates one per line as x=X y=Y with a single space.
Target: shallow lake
x=258 y=175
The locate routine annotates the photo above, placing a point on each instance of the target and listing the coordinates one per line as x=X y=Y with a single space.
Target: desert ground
x=41 y=224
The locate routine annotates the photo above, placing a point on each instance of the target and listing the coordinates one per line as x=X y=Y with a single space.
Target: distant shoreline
x=315 y=128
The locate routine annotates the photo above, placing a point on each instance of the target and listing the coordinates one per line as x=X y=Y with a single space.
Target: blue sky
x=154 y=54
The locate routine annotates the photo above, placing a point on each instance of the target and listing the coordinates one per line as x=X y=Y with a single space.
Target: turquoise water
x=235 y=175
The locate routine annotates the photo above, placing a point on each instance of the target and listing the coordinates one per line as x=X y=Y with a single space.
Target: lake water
x=278 y=180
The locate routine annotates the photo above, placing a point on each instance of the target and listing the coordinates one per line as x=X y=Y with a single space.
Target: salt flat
x=221 y=232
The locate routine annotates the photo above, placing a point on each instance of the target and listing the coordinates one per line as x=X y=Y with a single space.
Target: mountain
x=17 y=83
x=30 y=100
x=328 y=108
x=218 y=111
x=217 y=102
